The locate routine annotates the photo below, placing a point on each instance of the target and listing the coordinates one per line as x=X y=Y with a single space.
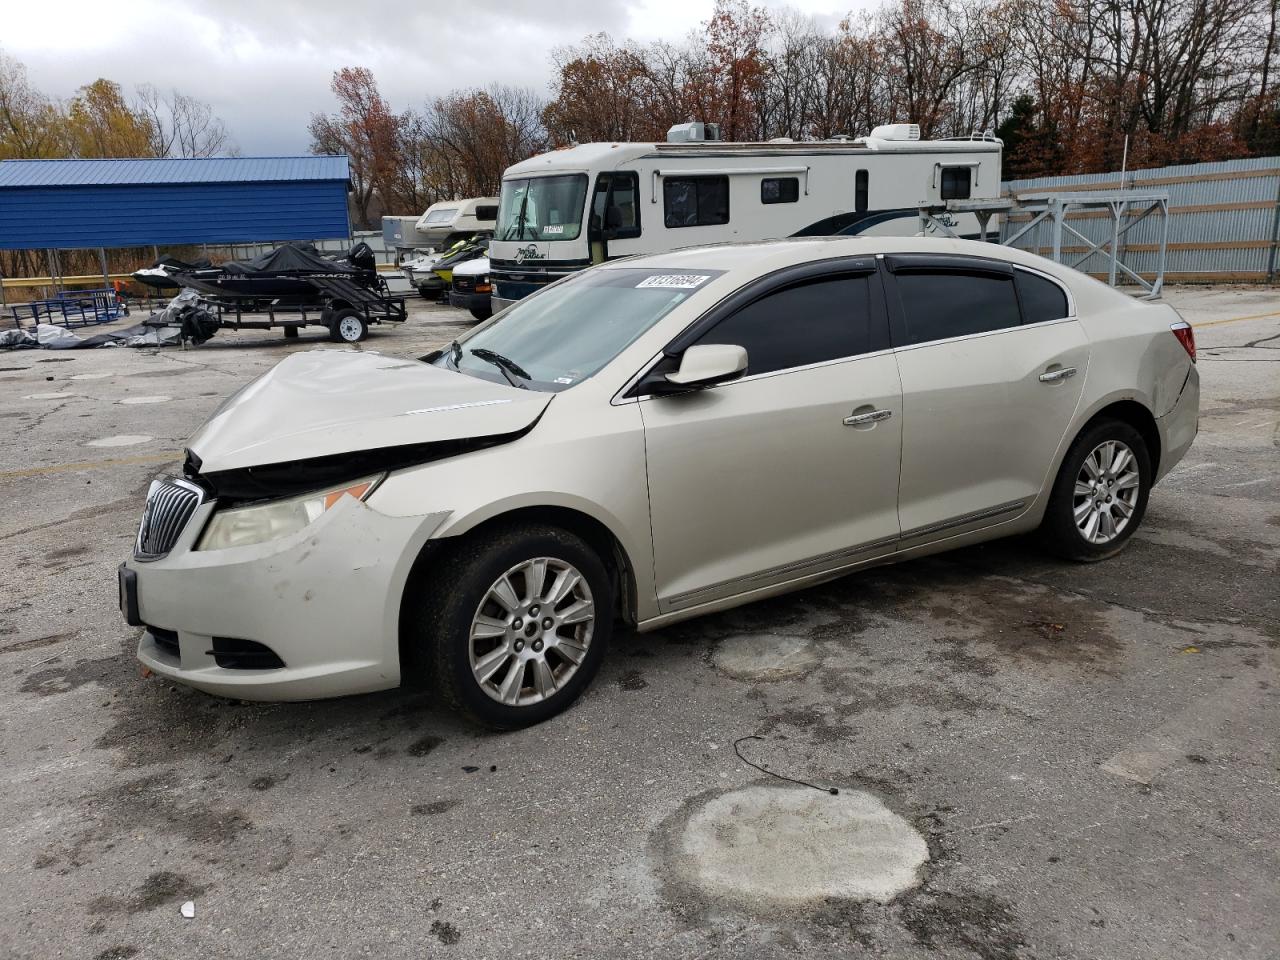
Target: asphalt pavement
x=1045 y=760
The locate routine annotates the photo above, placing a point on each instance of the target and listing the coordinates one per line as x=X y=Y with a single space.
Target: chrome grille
x=170 y=504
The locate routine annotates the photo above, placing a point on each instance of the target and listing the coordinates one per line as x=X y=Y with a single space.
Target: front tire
x=1100 y=495
x=482 y=313
x=514 y=624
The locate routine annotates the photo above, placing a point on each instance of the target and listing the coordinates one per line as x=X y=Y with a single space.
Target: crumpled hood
x=327 y=402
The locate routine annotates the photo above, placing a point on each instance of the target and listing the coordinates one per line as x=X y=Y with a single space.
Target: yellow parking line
x=168 y=457
x=1256 y=316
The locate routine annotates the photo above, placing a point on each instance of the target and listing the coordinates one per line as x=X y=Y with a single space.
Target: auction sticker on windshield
x=674 y=281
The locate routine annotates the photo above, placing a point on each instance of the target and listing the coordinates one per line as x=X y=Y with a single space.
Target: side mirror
x=707 y=364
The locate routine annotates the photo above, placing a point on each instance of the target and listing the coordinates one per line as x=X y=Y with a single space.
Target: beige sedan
x=647 y=441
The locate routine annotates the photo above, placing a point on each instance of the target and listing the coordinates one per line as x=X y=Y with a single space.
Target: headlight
x=242 y=526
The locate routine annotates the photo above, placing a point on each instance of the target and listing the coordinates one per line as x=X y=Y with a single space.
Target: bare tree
x=181 y=125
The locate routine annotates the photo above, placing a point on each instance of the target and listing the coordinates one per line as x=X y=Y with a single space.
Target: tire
x=460 y=589
x=347 y=326
x=422 y=292
x=1060 y=531
x=482 y=313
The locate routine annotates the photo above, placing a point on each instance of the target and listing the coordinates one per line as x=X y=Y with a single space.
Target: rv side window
x=487 y=211
x=779 y=190
x=695 y=201
x=860 y=189
x=955 y=183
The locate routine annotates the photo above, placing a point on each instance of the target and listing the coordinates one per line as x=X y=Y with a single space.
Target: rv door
x=615 y=212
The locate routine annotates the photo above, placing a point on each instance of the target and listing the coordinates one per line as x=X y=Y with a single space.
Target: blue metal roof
x=75 y=173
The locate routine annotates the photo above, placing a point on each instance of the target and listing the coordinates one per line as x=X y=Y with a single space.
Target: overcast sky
x=265 y=64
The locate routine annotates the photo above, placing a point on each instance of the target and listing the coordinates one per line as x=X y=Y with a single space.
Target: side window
x=1041 y=299
x=808 y=323
x=937 y=305
x=779 y=190
x=955 y=183
x=623 y=215
x=487 y=211
x=695 y=201
x=860 y=191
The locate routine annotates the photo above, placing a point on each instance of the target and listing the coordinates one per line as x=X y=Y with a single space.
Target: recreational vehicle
x=451 y=220
x=569 y=209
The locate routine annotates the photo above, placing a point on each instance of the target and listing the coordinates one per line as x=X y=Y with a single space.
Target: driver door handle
x=1053 y=376
x=860 y=419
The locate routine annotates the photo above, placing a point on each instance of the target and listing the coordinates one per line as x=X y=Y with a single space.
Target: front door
x=791 y=470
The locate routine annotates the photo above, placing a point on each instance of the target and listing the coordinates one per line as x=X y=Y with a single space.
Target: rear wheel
x=347 y=326
x=1100 y=495
x=514 y=625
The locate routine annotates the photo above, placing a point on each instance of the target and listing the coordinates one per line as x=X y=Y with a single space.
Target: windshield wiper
x=505 y=364
x=518 y=226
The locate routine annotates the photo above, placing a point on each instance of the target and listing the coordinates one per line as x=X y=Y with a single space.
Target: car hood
x=328 y=402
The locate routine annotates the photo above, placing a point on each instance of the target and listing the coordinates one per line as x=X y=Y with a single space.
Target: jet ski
x=161 y=274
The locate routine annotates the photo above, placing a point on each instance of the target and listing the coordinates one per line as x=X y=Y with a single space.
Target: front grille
x=170 y=504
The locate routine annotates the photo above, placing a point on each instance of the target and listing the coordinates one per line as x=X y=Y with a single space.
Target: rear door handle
x=1053 y=376
x=861 y=419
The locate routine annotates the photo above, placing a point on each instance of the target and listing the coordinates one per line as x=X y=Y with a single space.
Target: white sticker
x=673 y=281
x=553 y=228
x=564 y=379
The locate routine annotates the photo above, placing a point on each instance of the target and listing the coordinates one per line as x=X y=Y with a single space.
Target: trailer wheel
x=347 y=326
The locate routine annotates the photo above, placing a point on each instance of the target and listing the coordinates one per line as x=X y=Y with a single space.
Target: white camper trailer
x=446 y=222
x=568 y=209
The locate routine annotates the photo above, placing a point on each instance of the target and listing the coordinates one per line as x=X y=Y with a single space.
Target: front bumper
x=469 y=301
x=325 y=600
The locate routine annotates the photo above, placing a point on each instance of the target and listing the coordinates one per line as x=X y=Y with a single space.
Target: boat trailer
x=345 y=308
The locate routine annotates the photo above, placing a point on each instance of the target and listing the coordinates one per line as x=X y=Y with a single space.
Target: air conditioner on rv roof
x=897 y=131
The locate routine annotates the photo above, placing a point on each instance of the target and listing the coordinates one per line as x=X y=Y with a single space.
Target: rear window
x=1041 y=299
x=938 y=305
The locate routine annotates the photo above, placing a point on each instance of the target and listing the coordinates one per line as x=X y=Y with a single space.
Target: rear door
x=992 y=364
x=792 y=469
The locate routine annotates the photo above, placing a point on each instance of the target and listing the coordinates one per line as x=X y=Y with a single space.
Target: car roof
x=767 y=255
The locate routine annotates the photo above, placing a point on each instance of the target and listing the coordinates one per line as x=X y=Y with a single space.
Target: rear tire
x=505 y=655
x=347 y=326
x=1100 y=495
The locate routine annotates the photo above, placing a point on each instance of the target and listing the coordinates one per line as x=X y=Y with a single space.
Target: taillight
x=1186 y=336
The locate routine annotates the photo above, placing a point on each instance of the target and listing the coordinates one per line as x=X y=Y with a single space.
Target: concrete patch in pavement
x=768 y=656
x=789 y=846
x=120 y=440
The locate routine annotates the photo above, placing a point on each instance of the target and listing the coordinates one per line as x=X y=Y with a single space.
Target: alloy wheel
x=531 y=631
x=1106 y=492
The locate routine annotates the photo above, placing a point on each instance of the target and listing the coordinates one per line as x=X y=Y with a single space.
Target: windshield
x=542 y=208
x=569 y=331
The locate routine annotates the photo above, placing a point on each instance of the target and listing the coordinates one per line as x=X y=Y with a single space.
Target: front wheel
x=1100 y=495
x=482 y=313
x=515 y=623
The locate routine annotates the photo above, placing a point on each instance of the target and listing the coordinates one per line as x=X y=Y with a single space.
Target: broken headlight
x=243 y=526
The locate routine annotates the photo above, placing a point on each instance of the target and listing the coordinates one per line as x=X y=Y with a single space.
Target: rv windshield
x=542 y=208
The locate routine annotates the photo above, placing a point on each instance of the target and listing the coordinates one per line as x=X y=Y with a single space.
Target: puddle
x=122 y=440
x=767 y=656
x=146 y=399
x=790 y=846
